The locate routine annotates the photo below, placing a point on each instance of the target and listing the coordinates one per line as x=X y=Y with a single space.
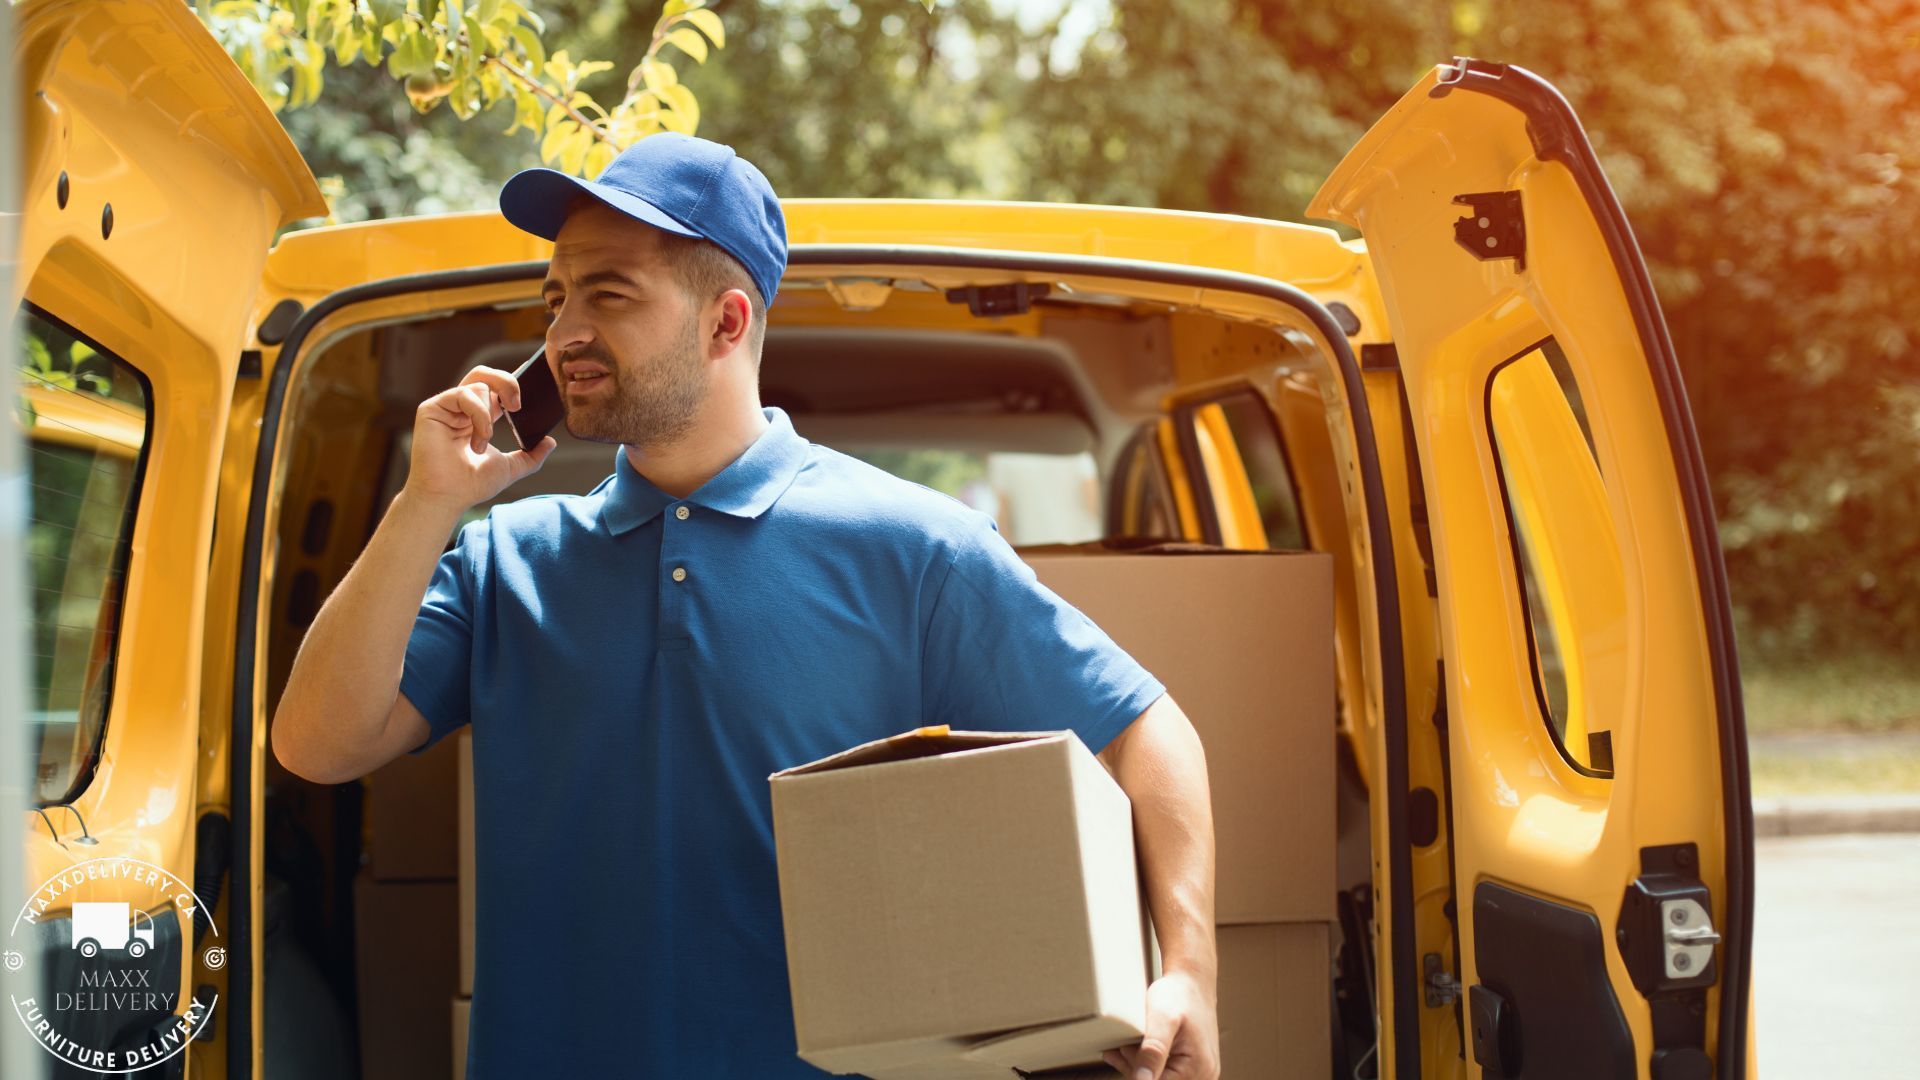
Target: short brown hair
x=705 y=270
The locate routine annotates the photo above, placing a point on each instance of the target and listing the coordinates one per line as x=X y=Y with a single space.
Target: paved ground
x=1837 y=956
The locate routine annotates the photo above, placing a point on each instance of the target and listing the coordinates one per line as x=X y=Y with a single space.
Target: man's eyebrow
x=597 y=277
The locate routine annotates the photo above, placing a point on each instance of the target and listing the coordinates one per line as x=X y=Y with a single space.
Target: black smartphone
x=540 y=407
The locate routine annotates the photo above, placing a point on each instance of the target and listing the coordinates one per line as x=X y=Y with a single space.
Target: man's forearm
x=347 y=674
x=1162 y=767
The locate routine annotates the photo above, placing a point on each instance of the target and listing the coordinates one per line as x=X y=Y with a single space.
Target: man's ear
x=735 y=320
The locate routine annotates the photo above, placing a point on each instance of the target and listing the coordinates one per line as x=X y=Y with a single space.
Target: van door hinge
x=1496 y=229
x=1442 y=988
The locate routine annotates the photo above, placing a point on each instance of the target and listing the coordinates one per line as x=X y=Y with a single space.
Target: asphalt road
x=1837 y=956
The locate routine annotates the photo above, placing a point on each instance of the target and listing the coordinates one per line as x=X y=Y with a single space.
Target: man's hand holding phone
x=454 y=464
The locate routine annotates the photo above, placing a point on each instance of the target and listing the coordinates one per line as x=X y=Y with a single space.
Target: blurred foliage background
x=1764 y=152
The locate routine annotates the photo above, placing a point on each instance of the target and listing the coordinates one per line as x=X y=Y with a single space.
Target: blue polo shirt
x=634 y=667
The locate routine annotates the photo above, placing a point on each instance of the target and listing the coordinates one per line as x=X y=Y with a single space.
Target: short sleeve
x=1003 y=652
x=439 y=659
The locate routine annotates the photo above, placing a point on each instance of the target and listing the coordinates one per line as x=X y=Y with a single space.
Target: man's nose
x=569 y=332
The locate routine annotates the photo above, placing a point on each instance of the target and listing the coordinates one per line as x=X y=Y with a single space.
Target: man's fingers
x=472 y=402
x=526 y=461
x=1121 y=1060
x=500 y=382
x=1151 y=1058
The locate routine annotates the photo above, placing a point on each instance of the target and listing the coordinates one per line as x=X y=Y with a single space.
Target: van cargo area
x=1055 y=416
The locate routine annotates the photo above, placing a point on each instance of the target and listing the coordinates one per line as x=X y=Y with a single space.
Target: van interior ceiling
x=1051 y=417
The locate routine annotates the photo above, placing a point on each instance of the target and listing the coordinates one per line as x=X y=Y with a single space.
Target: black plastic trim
x=1203 y=504
x=1547 y=962
x=123 y=545
x=1558 y=136
x=1406 y=981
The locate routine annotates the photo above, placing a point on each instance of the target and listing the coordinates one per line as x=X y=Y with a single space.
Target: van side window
x=84 y=417
x=1566 y=552
x=1140 y=504
x=1035 y=498
x=1246 y=471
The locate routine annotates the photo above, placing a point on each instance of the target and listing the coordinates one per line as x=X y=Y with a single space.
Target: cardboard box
x=958 y=901
x=464 y=838
x=410 y=817
x=1275 y=1011
x=1243 y=641
x=404 y=952
x=460 y=1009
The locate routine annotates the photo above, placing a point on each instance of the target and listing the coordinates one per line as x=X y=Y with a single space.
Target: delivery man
x=732 y=600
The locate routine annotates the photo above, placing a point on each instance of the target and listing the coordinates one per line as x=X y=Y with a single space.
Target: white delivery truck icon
x=105 y=925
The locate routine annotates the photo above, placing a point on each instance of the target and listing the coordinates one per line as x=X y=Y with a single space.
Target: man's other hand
x=1182 y=1039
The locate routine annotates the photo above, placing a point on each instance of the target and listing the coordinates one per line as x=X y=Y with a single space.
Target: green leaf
x=573 y=153
x=487 y=10
x=558 y=132
x=385 y=11
x=599 y=157
x=690 y=43
x=346 y=48
x=709 y=24
x=412 y=55
x=685 y=115
x=675 y=7
x=429 y=9
x=530 y=43
x=658 y=74
x=476 y=35
x=526 y=112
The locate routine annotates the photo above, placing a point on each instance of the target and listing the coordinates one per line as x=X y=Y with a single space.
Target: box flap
x=903 y=1057
x=918 y=743
x=1050 y=1046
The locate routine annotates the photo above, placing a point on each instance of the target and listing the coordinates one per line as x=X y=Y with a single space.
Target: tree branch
x=517 y=73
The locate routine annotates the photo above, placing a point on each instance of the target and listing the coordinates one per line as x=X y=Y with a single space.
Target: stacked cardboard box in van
x=404 y=906
x=1244 y=643
x=463 y=991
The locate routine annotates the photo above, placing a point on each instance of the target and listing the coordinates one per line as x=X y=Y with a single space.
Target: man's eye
x=607 y=296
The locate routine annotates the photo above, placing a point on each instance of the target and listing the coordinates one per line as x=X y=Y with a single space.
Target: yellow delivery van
x=1474 y=414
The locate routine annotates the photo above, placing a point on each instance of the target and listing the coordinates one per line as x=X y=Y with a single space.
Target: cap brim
x=535 y=200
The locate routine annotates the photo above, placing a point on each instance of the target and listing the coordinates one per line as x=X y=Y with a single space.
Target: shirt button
x=680 y=512
x=679 y=573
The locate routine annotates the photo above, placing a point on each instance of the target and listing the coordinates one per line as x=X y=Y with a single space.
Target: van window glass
x=1566 y=553
x=83 y=417
x=1247 y=474
x=1035 y=498
x=1140 y=505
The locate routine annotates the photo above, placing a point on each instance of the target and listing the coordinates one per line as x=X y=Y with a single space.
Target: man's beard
x=649 y=405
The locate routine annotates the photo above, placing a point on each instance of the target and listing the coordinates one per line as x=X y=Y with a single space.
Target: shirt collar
x=745 y=488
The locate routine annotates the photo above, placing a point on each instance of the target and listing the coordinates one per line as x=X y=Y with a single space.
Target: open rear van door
x=153 y=180
x=1603 y=880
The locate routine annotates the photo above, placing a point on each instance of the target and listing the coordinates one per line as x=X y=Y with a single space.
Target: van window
x=83 y=415
x=1247 y=474
x=1035 y=498
x=1140 y=505
x=1566 y=552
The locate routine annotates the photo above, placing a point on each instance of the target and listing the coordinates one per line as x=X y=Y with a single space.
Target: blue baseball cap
x=680 y=183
